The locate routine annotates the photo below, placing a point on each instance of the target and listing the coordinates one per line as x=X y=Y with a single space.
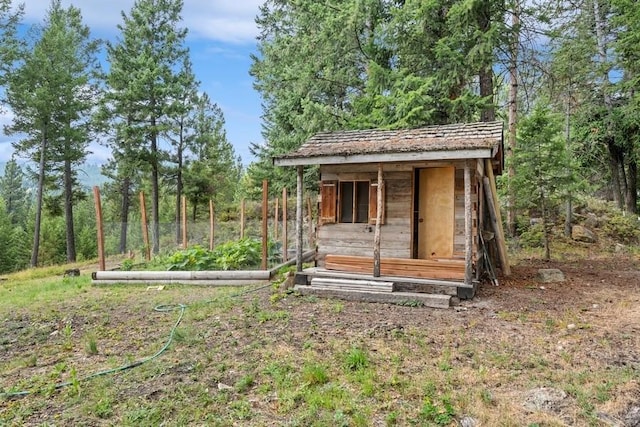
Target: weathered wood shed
x=404 y=213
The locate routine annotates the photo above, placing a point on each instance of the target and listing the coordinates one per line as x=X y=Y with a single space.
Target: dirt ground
x=589 y=321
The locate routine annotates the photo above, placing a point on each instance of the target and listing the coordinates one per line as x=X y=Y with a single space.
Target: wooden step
x=407 y=298
x=351 y=284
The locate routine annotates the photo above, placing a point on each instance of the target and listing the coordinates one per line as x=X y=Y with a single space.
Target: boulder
x=550 y=275
x=545 y=399
x=592 y=221
x=582 y=234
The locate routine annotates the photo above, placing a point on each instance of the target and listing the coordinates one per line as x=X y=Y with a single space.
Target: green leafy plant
x=356 y=359
x=439 y=413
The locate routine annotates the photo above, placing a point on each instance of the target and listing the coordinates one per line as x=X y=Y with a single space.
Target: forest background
x=562 y=75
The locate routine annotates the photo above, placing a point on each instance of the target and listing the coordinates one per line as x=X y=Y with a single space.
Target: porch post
x=468 y=232
x=299 y=247
x=376 y=237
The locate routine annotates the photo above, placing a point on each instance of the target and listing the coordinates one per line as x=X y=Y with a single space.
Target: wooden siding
x=396 y=234
x=397 y=267
x=357 y=239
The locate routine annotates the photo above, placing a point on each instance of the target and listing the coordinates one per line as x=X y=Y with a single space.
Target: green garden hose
x=163 y=308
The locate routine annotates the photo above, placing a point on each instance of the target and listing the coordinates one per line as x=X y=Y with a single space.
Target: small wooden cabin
x=404 y=213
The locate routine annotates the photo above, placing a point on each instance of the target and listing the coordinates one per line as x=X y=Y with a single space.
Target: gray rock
x=582 y=234
x=591 y=221
x=620 y=248
x=468 y=421
x=544 y=399
x=609 y=421
x=550 y=275
x=632 y=417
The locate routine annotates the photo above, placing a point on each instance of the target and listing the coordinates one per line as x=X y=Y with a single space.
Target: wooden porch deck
x=431 y=292
x=443 y=268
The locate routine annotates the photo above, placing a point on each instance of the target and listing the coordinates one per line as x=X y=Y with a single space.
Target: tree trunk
x=545 y=227
x=614 y=168
x=40 y=190
x=568 y=220
x=488 y=113
x=632 y=187
x=616 y=160
x=179 y=189
x=155 y=191
x=68 y=211
x=513 y=116
x=125 y=188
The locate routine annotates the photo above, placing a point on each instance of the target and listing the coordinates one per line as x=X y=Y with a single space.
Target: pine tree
x=14 y=193
x=51 y=93
x=214 y=170
x=145 y=86
x=541 y=161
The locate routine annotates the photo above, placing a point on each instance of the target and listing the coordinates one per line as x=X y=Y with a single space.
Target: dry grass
x=298 y=361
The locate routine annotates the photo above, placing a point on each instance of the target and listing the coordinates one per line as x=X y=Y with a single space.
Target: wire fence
x=199 y=233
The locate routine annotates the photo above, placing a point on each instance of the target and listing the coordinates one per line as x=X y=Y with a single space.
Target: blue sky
x=221 y=38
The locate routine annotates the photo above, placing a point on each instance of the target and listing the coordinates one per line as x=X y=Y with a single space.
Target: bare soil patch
x=242 y=360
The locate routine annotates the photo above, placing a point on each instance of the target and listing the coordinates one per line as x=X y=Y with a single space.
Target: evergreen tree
x=180 y=135
x=371 y=63
x=14 y=192
x=541 y=160
x=214 y=171
x=51 y=93
x=145 y=86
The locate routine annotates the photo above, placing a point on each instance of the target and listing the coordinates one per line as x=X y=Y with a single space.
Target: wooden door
x=436 y=206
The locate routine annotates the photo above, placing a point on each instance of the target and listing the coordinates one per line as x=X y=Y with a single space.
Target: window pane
x=362 y=201
x=346 y=202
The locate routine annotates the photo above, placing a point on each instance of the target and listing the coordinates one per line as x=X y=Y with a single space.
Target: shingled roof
x=457 y=141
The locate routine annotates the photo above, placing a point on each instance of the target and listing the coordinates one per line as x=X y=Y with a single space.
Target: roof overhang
x=415 y=156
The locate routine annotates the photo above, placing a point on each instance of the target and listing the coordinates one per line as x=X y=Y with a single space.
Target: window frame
x=331 y=201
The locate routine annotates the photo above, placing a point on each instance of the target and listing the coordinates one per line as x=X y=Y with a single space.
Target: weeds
x=356 y=359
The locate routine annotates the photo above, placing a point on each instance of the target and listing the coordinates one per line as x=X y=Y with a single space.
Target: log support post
x=376 y=237
x=98 y=203
x=468 y=226
x=265 y=219
x=299 y=218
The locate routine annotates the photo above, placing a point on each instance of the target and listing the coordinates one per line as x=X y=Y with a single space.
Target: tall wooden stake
x=310 y=214
x=299 y=219
x=468 y=224
x=285 y=249
x=184 y=222
x=98 y=203
x=145 y=227
x=265 y=219
x=500 y=236
x=211 y=225
x=275 y=221
x=376 y=236
x=242 y=204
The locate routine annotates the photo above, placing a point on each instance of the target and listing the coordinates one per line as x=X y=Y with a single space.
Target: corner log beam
x=299 y=213
x=376 y=237
x=468 y=226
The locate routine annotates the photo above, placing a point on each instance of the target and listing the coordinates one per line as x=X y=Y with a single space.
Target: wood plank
x=320 y=272
x=353 y=284
x=428 y=300
x=437 y=212
x=435 y=269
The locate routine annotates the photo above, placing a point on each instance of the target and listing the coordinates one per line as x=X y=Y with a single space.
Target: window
x=354 y=201
x=349 y=202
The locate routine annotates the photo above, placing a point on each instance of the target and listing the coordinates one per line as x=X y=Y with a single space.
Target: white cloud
x=220 y=20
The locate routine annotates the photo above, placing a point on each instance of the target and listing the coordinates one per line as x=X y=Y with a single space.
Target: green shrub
x=238 y=254
x=194 y=258
x=622 y=228
x=234 y=255
x=533 y=237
